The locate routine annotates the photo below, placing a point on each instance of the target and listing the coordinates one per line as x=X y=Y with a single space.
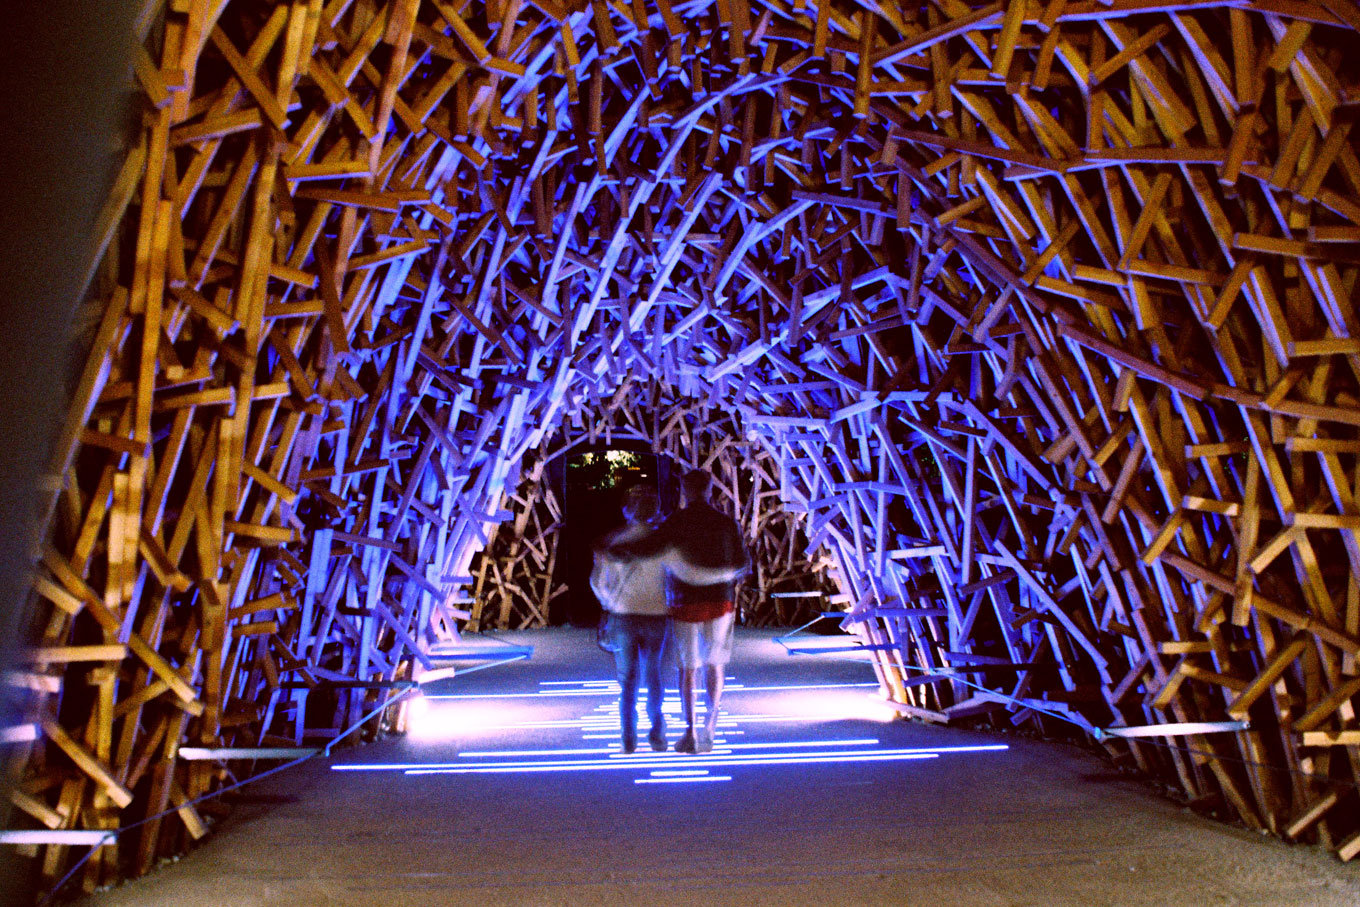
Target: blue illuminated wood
x=1087 y=404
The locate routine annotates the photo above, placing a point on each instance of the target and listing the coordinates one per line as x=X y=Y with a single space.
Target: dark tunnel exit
x=593 y=482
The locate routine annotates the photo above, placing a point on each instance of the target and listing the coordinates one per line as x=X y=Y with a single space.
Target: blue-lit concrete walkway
x=510 y=790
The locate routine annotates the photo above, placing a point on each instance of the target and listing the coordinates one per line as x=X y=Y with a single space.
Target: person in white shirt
x=704 y=556
x=633 y=591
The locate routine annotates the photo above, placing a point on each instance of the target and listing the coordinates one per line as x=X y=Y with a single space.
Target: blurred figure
x=633 y=591
x=704 y=556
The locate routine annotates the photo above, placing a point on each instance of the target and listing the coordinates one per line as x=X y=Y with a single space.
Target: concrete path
x=513 y=792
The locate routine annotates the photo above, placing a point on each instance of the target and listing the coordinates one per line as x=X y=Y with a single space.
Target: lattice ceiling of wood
x=1046 y=313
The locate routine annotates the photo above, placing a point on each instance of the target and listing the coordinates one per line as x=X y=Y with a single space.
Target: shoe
x=630 y=743
x=704 y=744
x=686 y=744
x=657 y=739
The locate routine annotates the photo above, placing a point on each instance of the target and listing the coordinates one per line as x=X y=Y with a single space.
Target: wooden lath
x=1040 y=320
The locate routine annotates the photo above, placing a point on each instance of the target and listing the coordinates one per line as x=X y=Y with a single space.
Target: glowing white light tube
x=597 y=766
x=592 y=724
x=494 y=754
x=614 y=689
x=576 y=683
x=594 y=683
x=867 y=741
x=682 y=780
x=656 y=760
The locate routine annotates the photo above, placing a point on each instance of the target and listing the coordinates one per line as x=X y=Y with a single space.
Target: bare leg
x=713 y=685
x=687 y=742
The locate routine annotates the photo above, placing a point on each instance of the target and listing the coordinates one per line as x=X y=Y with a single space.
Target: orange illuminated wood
x=1032 y=330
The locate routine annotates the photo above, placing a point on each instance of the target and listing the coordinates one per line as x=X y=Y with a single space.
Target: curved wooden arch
x=1046 y=312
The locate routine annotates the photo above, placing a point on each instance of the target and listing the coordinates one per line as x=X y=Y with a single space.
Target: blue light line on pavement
x=666 y=761
x=866 y=741
x=729 y=719
x=615 y=683
x=734 y=760
x=774 y=688
x=494 y=754
x=597 y=725
x=576 y=683
x=613 y=691
x=718 y=750
x=797 y=744
x=682 y=780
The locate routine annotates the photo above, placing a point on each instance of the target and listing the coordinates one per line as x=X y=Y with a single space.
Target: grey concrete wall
x=65 y=93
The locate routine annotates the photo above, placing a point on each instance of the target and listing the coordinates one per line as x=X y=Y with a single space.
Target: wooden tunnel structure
x=1034 y=323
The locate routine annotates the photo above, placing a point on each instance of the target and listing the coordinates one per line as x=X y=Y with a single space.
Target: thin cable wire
x=1099 y=733
x=935 y=672
x=114 y=833
x=1188 y=750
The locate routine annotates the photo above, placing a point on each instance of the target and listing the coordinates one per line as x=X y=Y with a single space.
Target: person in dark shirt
x=704 y=557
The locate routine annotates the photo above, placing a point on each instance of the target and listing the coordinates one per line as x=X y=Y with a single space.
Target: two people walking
x=678 y=577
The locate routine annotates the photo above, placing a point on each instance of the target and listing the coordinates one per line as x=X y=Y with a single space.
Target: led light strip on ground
x=677 y=762
x=595 y=724
x=698 y=779
x=669 y=762
x=613 y=690
x=637 y=760
x=607 y=750
x=595 y=683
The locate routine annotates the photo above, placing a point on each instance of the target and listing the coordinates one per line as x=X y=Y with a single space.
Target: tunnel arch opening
x=1040 y=331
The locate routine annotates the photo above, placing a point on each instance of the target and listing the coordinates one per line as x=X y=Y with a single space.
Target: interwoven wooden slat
x=1042 y=314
